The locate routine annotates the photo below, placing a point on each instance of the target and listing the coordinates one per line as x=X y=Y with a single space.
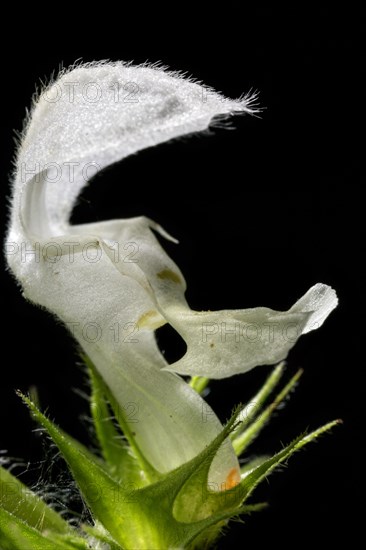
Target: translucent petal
x=103 y=309
x=219 y=343
x=319 y=300
x=224 y=343
x=112 y=283
x=96 y=115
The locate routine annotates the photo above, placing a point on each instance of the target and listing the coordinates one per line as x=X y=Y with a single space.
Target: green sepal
x=248 y=431
x=116 y=452
x=154 y=505
x=15 y=534
x=251 y=410
x=211 y=533
x=211 y=502
x=138 y=519
x=98 y=533
x=106 y=498
x=249 y=466
x=250 y=482
x=178 y=511
x=23 y=503
x=142 y=472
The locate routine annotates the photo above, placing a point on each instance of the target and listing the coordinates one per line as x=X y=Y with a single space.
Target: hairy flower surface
x=112 y=283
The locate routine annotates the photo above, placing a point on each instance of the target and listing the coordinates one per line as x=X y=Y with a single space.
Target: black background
x=262 y=213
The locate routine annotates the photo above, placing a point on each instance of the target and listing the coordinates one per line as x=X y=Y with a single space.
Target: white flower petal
x=98 y=114
x=104 y=310
x=320 y=300
x=108 y=303
x=224 y=343
x=89 y=118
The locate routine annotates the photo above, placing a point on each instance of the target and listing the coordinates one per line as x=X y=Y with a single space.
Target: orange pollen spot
x=232 y=479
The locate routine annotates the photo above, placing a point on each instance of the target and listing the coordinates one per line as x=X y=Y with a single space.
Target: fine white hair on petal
x=97 y=114
x=90 y=117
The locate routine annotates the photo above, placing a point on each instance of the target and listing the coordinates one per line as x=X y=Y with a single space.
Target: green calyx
x=132 y=505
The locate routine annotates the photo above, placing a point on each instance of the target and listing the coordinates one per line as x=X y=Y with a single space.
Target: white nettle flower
x=80 y=121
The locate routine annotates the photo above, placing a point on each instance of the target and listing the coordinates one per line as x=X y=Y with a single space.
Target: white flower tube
x=112 y=301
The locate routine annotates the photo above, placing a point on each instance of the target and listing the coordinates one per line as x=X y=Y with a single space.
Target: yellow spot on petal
x=150 y=319
x=232 y=479
x=169 y=275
